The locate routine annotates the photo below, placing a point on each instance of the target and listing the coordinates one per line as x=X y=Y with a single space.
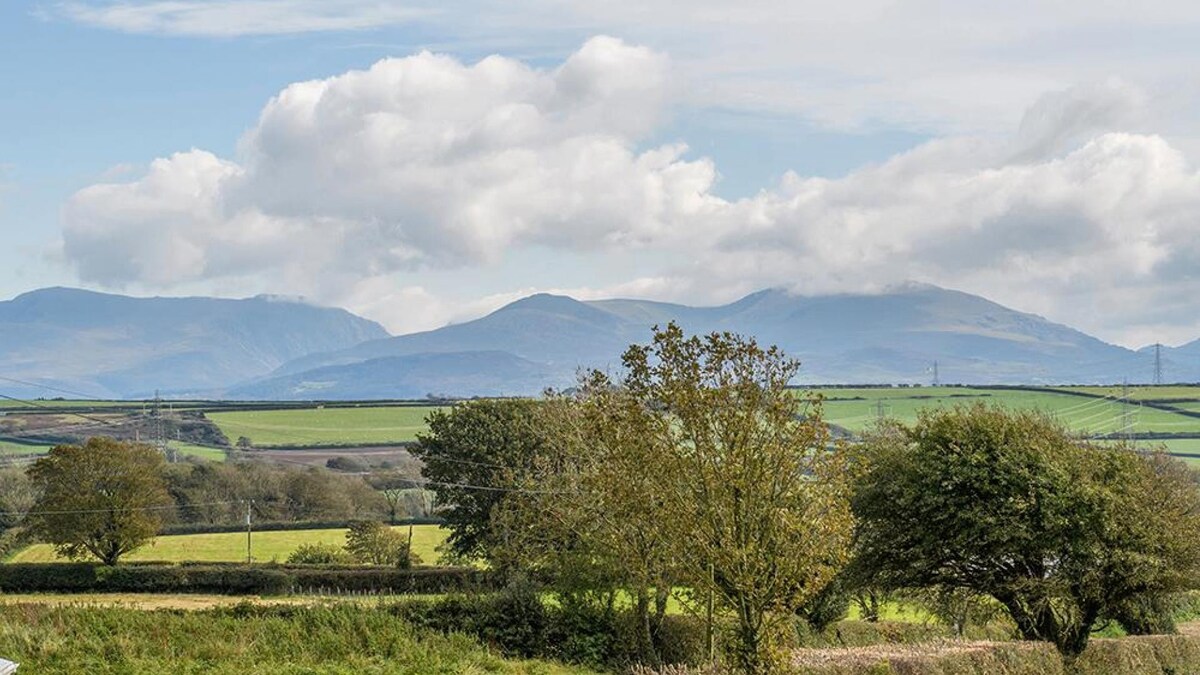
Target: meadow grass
x=231 y=546
x=858 y=409
x=242 y=639
x=317 y=426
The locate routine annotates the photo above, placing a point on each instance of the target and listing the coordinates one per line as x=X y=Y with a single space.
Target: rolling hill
x=104 y=345
x=542 y=340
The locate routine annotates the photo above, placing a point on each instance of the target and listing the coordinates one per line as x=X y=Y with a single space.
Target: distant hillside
x=484 y=373
x=848 y=338
x=116 y=346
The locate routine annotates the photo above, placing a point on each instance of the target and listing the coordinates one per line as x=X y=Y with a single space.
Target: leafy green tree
x=1010 y=505
x=104 y=498
x=755 y=497
x=473 y=455
x=590 y=516
x=374 y=543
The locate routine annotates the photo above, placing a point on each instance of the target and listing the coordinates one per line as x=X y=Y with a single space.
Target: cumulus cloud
x=347 y=187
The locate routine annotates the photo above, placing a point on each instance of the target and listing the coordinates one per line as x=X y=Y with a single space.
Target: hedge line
x=234 y=579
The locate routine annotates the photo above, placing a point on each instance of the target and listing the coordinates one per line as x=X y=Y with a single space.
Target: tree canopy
x=104 y=498
x=473 y=455
x=1010 y=505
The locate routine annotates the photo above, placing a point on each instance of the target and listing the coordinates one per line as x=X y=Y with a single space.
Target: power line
x=47 y=387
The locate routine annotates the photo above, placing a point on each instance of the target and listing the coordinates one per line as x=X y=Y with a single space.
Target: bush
x=517 y=622
x=1146 y=614
x=373 y=543
x=318 y=554
x=390 y=580
x=230 y=579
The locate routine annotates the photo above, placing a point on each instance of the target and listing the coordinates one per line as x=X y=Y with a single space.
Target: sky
x=424 y=162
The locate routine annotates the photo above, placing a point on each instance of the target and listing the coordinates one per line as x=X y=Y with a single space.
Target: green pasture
x=199 y=452
x=857 y=409
x=10 y=449
x=321 y=426
x=1142 y=392
x=231 y=546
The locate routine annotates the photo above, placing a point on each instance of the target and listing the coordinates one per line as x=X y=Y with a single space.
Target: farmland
x=324 y=426
x=1094 y=413
x=231 y=546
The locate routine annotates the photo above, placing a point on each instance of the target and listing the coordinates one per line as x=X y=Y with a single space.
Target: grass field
x=17 y=449
x=231 y=546
x=200 y=451
x=857 y=409
x=318 y=426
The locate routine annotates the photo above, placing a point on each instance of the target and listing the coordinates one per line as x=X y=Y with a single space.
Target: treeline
x=198 y=496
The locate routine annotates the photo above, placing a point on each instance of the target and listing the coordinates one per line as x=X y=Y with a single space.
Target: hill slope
x=116 y=346
x=851 y=338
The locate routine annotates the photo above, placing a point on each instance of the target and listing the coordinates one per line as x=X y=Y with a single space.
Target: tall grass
x=240 y=639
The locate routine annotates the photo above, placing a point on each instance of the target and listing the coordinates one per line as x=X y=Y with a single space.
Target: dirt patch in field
x=389 y=456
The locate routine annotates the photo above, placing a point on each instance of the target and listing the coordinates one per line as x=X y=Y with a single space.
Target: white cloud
x=230 y=18
x=349 y=189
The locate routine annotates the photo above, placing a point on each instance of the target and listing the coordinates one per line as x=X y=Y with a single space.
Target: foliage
x=373 y=543
x=340 y=639
x=757 y=503
x=104 y=498
x=395 y=487
x=473 y=454
x=828 y=606
x=318 y=554
x=1008 y=504
x=516 y=621
x=233 y=579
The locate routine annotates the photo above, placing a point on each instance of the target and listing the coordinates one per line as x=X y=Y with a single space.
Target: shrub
x=318 y=554
x=373 y=543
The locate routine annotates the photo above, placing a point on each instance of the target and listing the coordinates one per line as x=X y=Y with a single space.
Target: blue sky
x=1042 y=158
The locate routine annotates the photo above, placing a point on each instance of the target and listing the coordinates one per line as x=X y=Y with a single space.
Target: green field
x=324 y=426
x=231 y=546
x=857 y=409
x=9 y=449
x=199 y=451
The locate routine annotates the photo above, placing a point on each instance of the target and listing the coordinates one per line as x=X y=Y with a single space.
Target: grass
x=231 y=546
x=9 y=449
x=857 y=409
x=243 y=639
x=200 y=452
x=320 y=426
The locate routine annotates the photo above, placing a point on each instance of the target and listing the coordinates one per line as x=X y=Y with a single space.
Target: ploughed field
x=266 y=546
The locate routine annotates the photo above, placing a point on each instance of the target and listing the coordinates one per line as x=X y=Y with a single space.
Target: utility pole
x=249 y=558
x=880 y=409
x=1158 y=378
x=936 y=380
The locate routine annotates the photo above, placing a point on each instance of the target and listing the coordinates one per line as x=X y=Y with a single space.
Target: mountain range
x=271 y=348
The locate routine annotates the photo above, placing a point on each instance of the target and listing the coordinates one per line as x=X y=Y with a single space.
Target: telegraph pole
x=249 y=558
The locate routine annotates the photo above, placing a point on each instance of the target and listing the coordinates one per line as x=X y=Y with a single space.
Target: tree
x=756 y=500
x=473 y=454
x=590 y=515
x=393 y=486
x=1009 y=505
x=104 y=498
x=374 y=543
